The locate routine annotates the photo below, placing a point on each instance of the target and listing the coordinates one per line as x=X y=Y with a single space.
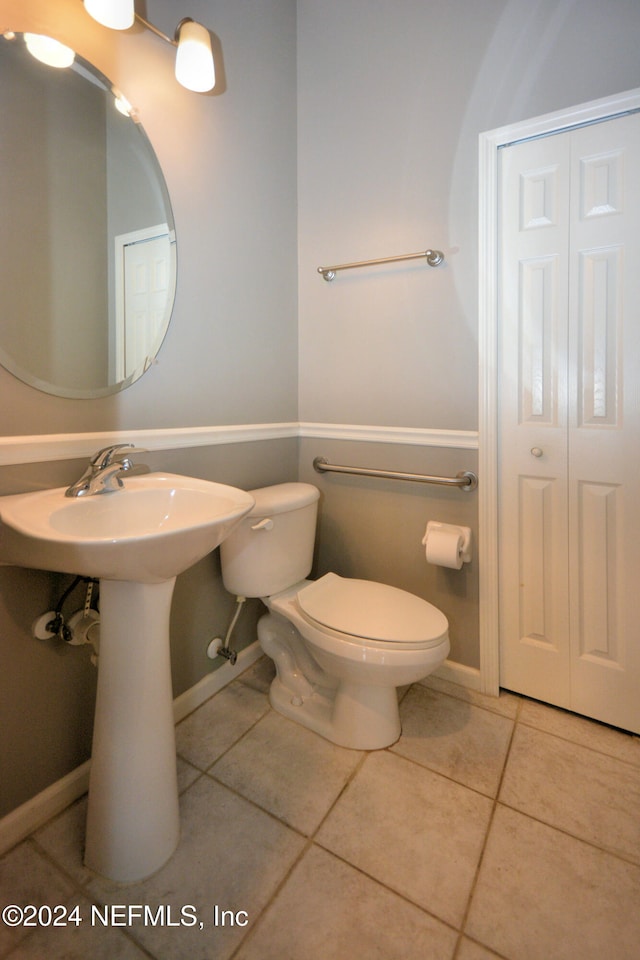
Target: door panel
x=604 y=421
x=146 y=282
x=533 y=423
x=569 y=419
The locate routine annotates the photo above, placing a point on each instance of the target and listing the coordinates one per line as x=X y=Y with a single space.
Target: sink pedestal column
x=133 y=821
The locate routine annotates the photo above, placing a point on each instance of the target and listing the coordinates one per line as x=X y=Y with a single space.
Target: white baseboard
x=22 y=821
x=29 y=816
x=469 y=677
x=192 y=698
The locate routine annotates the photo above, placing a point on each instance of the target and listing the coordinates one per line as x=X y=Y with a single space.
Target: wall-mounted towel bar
x=433 y=258
x=466 y=480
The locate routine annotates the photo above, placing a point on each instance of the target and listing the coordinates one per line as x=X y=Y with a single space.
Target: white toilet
x=341 y=647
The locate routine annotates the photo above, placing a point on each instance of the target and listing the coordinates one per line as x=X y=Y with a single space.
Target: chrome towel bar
x=433 y=257
x=466 y=480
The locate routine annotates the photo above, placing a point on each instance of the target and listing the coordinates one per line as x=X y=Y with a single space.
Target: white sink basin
x=152 y=530
x=136 y=541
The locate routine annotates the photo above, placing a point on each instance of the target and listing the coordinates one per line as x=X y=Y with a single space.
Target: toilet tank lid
x=282 y=497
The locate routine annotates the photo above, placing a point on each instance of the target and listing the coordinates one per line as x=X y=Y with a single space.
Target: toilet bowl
x=341 y=646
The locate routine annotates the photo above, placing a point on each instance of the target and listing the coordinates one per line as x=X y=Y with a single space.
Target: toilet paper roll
x=444 y=548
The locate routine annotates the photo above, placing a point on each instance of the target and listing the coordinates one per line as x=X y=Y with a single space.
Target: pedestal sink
x=135 y=541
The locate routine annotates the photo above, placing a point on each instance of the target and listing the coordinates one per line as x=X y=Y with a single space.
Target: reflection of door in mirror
x=144 y=271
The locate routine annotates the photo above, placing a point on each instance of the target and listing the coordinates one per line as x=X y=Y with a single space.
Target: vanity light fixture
x=195 y=69
x=49 y=51
x=194 y=58
x=115 y=14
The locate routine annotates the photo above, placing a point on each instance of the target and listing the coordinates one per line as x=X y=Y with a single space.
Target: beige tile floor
x=491 y=829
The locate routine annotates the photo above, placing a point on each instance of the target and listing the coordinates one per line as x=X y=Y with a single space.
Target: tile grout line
x=494 y=807
x=310 y=842
x=572 y=836
x=594 y=844
x=584 y=746
x=522 y=699
x=206 y=770
x=385 y=886
x=353 y=866
x=309 y=838
x=276 y=892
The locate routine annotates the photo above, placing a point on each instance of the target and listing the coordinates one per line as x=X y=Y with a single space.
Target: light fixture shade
x=116 y=14
x=194 y=59
x=48 y=50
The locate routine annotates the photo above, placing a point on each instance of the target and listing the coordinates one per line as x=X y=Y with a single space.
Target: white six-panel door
x=569 y=420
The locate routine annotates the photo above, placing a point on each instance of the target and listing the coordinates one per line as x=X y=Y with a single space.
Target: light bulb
x=116 y=14
x=122 y=105
x=48 y=50
x=194 y=59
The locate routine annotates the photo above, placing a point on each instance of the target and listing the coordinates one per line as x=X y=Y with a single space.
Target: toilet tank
x=272 y=547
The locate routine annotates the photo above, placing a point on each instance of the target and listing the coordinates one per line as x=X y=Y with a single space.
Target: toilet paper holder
x=464 y=532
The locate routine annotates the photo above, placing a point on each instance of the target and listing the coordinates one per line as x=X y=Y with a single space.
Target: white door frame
x=489 y=144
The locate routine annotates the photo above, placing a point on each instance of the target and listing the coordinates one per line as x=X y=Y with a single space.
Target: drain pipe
x=221 y=648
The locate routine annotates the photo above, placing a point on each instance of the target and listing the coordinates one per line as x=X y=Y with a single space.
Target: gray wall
x=392 y=96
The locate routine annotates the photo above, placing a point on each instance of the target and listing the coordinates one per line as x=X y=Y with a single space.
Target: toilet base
x=355 y=715
x=352 y=715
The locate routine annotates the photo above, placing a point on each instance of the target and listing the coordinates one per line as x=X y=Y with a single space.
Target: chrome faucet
x=103 y=473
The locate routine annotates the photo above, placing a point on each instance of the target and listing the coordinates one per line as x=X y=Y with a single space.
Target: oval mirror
x=87 y=239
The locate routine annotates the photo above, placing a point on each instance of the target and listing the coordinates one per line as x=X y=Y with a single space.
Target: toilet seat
x=370 y=611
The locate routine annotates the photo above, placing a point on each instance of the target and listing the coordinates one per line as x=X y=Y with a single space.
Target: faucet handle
x=105 y=456
x=113 y=454
x=123 y=456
